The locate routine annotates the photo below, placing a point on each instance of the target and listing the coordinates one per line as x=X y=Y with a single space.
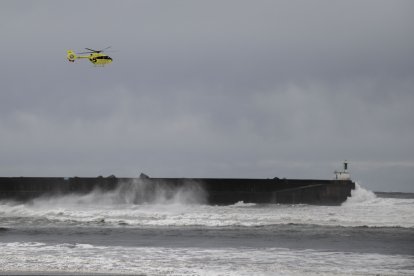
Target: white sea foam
x=360 y=196
x=86 y=258
x=363 y=208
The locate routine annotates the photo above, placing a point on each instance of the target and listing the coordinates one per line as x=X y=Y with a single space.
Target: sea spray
x=359 y=195
x=132 y=192
x=133 y=205
x=138 y=191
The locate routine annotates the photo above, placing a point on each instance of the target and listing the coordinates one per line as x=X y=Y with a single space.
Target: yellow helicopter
x=94 y=56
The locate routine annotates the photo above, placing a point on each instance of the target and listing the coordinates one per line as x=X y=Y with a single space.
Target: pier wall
x=220 y=191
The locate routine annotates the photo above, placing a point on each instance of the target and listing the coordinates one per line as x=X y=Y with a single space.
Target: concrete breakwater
x=220 y=191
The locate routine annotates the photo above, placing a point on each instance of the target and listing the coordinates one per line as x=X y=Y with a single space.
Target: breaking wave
x=132 y=205
x=91 y=259
x=360 y=195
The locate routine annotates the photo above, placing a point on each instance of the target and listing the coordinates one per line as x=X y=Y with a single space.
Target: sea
x=105 y=233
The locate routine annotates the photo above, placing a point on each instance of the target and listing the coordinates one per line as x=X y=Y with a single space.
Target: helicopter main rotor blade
x=106 y=48
x=92 y=50
x=97 y=51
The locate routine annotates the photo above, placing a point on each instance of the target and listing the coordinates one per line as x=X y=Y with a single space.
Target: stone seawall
x=220 y=191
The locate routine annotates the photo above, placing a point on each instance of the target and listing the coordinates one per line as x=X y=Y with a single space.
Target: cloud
x=210 y=89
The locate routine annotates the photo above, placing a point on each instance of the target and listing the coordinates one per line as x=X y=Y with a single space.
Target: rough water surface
x=106 y=233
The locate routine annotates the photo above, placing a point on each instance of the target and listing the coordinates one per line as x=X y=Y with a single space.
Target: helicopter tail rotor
x=71 y=56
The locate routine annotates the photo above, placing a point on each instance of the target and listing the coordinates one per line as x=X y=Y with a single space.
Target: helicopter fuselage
x=98 y=59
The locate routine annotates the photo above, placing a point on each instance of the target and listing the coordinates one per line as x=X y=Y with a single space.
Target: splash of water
x=140 y=204
x=134 y=192
x=360 y=195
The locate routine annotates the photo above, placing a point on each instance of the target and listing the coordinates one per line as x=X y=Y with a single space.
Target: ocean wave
x=363 y=208
x=360 y=196
x=87 y=258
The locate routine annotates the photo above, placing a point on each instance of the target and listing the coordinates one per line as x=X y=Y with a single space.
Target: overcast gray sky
x=210 y=89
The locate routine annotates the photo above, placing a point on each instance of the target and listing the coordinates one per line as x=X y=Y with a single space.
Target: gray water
x=104 y=233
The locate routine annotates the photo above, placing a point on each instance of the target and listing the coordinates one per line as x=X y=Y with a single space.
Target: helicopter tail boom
x=71 y=56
